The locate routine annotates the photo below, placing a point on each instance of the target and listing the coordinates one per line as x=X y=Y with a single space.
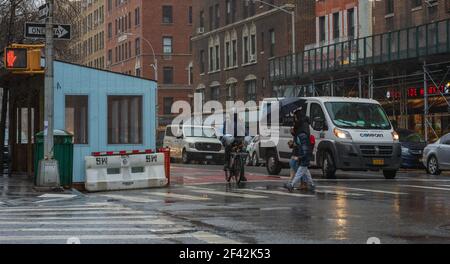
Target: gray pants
x=302 y=173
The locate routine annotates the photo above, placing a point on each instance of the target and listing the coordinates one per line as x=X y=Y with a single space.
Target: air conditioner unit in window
x=200 y=30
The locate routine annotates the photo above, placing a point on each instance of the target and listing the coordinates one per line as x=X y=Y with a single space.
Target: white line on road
x=98 y=229
x=231 y=194
x=275 y=208
x=100 y=222
x=444 y=185
x=341 y=193
x=71 y=213
x=364 y=190
x=51 y=195
x=106 y=217
x=135 y=199
x=63 y=209
x=212 y=238
x=207 y=237
x=286 y=193
x=426 y=187
x=178 y=196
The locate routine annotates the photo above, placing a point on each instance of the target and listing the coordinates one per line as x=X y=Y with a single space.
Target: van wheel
x=433 y=166
x=390 y=174
x=273 y=165
x=328 y=167
x=185 y=157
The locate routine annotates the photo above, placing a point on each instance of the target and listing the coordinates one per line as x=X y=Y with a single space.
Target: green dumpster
x=63 y=152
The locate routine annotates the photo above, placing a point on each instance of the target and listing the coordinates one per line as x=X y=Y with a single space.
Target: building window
x=110 y=31
x=190 y=74
x=251 y=90
x=124 y=119
x=167 y=105
x=211 y=59
x=190 y=15
x=167 y=45
x=234 y=49
x=389 y=6
x=137 y=16
x=231 y=91
x=227 y=51
x=76 y=118
x=217 y=54
x=211 y=18
x=110 y=57
x=336 y=24
x=215 y=93
x=217 y=16
x=167 y=15
x=272 y=43
x=138 y=72
x=416 y=3
x=202 y=19
x=253 y=43
x=245 y=45
x=351 y=23
x=168 y=75
x=137 y=47
x=202 y=61
x=322 y=29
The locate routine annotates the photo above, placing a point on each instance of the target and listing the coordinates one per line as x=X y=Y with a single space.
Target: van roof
x=325 y=99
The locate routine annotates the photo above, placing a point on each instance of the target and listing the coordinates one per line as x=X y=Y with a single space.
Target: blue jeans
x=302 y=173
x=293 y=164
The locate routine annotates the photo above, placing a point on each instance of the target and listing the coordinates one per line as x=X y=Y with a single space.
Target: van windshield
x=358 y=115
x=205 y=132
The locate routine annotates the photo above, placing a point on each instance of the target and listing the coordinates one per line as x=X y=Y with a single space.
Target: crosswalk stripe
x=427 y=187
x=63 y=209
x=209 y=238
x=341 y=193
x=278 y=193
x=71 y=213
x=51 y=195
x=108 y=217
x=212 y=238
x=98 y=229
x=179 y=196
x=231 y=194
x=444 y=185
x=81 y=222
x=363 y=190
x=135 y=199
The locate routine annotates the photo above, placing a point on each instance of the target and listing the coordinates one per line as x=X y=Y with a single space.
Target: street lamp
x=154 y=65
x=286 y=9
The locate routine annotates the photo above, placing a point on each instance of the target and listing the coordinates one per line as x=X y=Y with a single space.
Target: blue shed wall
x=77 y=80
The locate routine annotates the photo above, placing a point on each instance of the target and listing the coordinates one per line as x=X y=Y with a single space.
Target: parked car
x=194 y=143
x=436 y=156
x=413 y=145
x=254 y=159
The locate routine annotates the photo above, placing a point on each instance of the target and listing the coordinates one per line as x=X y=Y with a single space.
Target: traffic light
x=16 y=58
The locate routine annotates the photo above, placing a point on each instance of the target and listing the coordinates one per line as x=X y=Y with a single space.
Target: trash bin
x=63 y=152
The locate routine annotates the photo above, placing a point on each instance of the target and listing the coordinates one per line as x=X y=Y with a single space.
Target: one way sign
x=37 y=31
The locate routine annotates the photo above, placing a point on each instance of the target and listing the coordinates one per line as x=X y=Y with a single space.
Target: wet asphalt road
x=201 y=208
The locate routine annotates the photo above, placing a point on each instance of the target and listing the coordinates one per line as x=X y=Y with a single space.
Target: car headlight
x=405 y=150
x=191 y=145
x=395 y=136
x=342 y=134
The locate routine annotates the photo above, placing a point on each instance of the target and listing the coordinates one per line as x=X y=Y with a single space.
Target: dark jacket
x=304 y=149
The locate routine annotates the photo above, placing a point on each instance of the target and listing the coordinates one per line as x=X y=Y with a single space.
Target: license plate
x=209 y=157
x=378 y=162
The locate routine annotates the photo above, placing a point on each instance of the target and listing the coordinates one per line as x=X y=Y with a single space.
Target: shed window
x=125 y=120
x=76 y=118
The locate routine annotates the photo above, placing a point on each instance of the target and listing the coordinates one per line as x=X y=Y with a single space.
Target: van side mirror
x=319 y=124
x=180 y=136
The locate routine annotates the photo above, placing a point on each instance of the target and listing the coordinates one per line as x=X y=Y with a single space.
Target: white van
x=351 y=134
x=194 y=143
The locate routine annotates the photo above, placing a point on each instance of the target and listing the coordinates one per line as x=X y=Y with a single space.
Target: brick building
x=234 y=39
x=90 y=43
x=392 y=15
x=134 y=28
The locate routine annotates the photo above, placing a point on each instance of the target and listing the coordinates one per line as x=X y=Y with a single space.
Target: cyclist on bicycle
x=233 y=133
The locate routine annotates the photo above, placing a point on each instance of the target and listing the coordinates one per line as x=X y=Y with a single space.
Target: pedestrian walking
x=303 y=140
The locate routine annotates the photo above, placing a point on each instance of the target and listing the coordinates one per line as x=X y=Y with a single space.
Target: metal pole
x=48 y=101
x=425 y=97
x=293 y=35
x=360 y=85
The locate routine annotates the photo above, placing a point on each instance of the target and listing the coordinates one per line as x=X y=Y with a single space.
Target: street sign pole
x=48 y=172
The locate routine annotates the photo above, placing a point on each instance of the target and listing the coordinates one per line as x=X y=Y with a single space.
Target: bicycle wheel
x=238 y=170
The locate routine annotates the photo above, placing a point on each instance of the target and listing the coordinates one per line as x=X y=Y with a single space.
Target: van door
x=315 y=112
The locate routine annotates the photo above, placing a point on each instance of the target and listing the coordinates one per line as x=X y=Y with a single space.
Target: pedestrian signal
x=16 y=58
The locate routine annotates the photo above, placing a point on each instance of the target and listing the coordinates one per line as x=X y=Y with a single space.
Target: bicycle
x=236 y=169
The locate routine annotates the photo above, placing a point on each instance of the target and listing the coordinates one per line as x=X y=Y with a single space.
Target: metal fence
x=424 y=40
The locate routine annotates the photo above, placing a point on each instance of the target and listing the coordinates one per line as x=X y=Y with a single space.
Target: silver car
x=254 y=159
x=436 y=156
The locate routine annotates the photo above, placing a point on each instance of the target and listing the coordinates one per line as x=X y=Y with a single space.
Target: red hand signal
x=10 y=58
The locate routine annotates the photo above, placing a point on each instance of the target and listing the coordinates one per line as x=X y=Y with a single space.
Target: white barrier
x=108 y=173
